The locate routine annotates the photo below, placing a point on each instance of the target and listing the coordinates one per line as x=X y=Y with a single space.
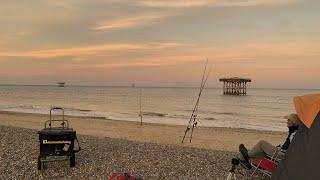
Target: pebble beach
x=150 y=151
x=99 y=157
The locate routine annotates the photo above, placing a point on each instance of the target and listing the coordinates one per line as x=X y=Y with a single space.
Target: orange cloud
x=171 y=54
x=128 y=22
x=147 y=62
x=88 y=50
x=257 y=51
x=211 y=3
x=224 y=54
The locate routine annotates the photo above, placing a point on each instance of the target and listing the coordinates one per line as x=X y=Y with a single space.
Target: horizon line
x=129 y=86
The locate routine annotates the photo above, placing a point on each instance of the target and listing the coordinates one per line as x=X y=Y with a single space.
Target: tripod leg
x=229 y=176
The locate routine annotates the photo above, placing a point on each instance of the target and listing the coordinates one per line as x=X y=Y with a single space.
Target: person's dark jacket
x=292 y=132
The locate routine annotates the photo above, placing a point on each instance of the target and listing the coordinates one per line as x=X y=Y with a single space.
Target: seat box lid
x=57 y=131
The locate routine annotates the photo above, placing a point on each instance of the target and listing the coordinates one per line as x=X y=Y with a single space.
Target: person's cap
x=293 y=117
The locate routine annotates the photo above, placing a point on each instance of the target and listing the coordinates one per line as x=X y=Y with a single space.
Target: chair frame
x=274 y=158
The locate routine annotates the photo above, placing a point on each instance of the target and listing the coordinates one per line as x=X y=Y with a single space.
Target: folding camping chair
x=264 y=166
x=267 y=165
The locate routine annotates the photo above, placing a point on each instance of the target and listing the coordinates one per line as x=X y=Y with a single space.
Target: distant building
x=235 y=85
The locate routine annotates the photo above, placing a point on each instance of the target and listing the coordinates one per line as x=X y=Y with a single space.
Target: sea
x=260 y=109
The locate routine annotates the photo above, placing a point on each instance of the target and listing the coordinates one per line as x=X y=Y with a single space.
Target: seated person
x=264 y=148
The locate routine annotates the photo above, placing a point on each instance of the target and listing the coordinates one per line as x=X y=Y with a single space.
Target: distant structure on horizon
x=61 y=84
x=235 y=85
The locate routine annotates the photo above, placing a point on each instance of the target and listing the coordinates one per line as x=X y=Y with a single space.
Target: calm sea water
x=260 y=109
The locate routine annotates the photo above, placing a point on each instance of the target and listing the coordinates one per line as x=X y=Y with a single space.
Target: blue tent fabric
x=302 y=160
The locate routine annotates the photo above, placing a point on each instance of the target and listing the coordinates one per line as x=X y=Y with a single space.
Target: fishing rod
x=140 y=107
x=192 y=122
x=195 y=122
x=193 y=118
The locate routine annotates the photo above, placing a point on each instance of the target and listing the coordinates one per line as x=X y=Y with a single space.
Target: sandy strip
x=224 y=139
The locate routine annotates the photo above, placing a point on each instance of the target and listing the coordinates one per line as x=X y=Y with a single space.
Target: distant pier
x=235 y=85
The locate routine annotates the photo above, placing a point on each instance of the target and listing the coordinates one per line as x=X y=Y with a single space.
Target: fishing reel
x=235 y=162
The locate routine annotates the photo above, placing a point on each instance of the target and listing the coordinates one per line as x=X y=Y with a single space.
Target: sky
x=276 y=43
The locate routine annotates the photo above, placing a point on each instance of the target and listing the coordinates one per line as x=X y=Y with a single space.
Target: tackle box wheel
x=40 y=164
x=72 y=160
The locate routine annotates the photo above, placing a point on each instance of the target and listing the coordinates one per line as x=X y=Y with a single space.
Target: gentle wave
x=210 y=118
x=180 y=116
x=229 y=113
x=156 y=114
x=75 y=109
x=32 y=107
x=17 y=106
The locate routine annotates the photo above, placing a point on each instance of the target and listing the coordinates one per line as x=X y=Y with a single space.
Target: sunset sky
x=160 y=42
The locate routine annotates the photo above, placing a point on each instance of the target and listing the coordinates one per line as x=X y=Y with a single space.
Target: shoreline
x=102 y=118
x=214 y=138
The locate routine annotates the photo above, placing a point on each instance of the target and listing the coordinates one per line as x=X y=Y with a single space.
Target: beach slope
x=224 y=139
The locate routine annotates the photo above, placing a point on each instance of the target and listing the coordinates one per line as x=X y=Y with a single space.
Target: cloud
x=129 y=22
x=88 y=50
x=174 y=51
x=152 y=62
x=133 y=64
x=209 y=3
